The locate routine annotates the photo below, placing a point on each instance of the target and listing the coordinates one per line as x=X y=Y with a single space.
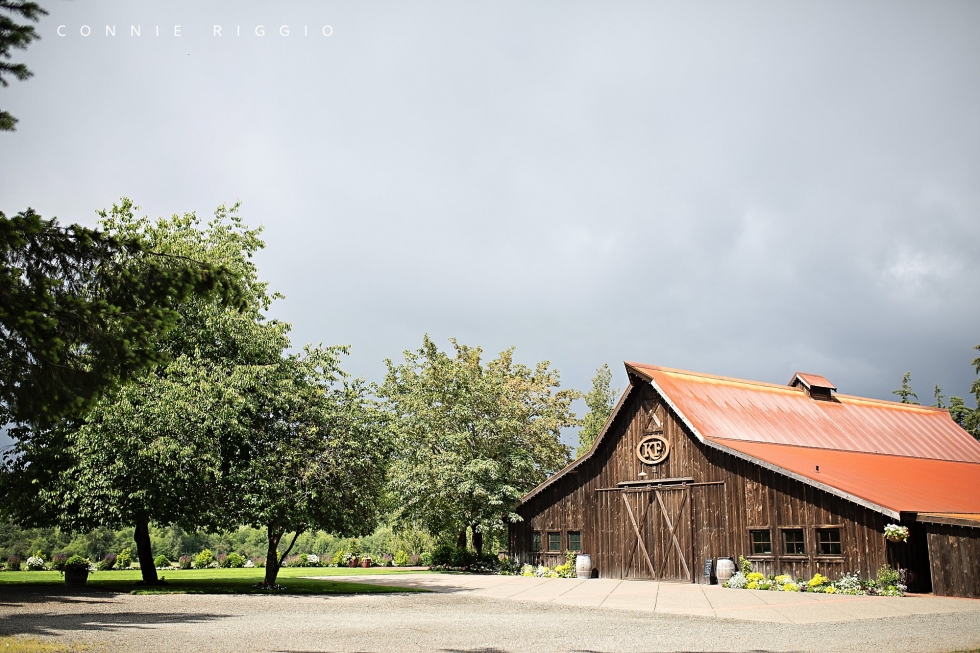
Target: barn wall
x=725 y=499
x=954 y=554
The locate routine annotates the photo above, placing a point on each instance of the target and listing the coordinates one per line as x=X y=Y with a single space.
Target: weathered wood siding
x=712 y=514
x=954 y=555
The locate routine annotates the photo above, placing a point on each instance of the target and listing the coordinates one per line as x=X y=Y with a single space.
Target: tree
x=471 y=438
x=81 y=309
x=156 y=447
x=318 y=455
x=905 y=392
x=18 y=36
x=600 y=399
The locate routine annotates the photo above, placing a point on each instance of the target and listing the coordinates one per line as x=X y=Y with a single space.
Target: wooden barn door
x=657 y=533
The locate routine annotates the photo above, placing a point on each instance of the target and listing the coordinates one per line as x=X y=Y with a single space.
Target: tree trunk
x=144 y=552
x=272 y=560
x=272 y=557
x=478 y=542
x=461 y=539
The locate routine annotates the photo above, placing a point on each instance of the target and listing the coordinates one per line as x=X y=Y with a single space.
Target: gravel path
x=437 y=622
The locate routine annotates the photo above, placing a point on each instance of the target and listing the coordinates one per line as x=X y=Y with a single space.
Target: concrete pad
x=679 y=598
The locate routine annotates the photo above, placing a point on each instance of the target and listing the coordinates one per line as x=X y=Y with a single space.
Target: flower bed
x=886 y=584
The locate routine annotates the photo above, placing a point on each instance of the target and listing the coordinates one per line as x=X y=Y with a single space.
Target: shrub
x=744 y=566
x=507 y=565
x=754 y=576
x=462 y=558
x=738 y=581
x=249 y=564
x=887 y=576
x=385 y=560
x=848 y=584
x=312 y=560
x=443 y=555
x=401 y=558
x=258 y=562
x=291 y=561
x=222 y=560
x=77 y=563
x=304 y=560
x=528 y=570
x=35 y=563
x=161 y=562
x=203 y=559
x=341 y=557
x=58 y=561
x=185 y=562
x=416 y=560
x=13 y=563
x=124 y=559
x=235 y=560
x=107 y=562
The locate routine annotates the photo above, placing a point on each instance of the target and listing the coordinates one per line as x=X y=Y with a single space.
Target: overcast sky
x=739 y=188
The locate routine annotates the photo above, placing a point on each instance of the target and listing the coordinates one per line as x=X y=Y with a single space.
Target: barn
x=798 y=478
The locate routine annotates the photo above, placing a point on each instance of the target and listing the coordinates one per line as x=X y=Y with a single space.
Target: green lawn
x=215 y=581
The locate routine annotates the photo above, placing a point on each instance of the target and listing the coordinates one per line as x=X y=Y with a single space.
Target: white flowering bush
x=848 y=584
x=35 y=563
x=528 y=570
x=738 y=581
x=249 y=565
x=313 y=560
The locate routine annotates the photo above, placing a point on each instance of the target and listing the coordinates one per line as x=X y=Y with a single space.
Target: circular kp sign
x=652 y=449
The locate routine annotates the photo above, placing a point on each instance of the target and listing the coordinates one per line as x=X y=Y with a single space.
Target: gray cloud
x=741 y=188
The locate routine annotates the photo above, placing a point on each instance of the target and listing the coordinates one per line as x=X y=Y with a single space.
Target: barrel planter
x=354 y=562
x=724 y=570
x=365 y=563
x=76 y=577
x=583 y=565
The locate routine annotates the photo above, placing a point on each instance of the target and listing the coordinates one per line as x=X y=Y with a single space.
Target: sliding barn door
x=657 y=533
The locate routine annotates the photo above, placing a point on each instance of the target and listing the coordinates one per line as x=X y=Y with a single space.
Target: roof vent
x=818 y=387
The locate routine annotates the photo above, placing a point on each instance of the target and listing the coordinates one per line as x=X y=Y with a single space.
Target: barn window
x=828 y=539
x=574 y=541
x=761 y=542
x=793 y=542
x=536 y=541
x=554 y=541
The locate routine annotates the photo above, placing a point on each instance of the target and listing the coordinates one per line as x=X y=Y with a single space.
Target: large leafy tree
x=15 y=35
x=154 y=448
x=600 y=400
x=471 y=437
x=317 y=454
x=81 y=309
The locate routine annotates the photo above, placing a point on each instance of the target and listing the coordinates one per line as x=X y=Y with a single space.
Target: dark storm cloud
x=741 y=188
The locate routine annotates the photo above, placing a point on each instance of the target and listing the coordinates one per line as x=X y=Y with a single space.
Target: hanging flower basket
x=896 y=533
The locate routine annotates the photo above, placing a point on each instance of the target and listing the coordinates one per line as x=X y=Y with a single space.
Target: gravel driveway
x=437 y=622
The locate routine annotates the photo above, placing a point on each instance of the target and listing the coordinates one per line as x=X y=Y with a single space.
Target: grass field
x=213 y=581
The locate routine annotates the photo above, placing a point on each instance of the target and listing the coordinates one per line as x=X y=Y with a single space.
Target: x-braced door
x=658 y=533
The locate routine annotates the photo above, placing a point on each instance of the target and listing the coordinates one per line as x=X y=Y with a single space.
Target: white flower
x=249 y=564
x=35 y=563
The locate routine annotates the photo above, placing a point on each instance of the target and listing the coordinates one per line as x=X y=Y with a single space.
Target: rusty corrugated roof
x=898 y=483
x=752 y=411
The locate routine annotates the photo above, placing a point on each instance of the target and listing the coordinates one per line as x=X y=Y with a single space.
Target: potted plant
x=76 y=571
x=896 y=533
x=354 y=561
x=366 y=561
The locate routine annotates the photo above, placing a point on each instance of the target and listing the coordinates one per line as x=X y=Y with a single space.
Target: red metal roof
x=895 y=482
x=752 y=411
x=887 y=455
